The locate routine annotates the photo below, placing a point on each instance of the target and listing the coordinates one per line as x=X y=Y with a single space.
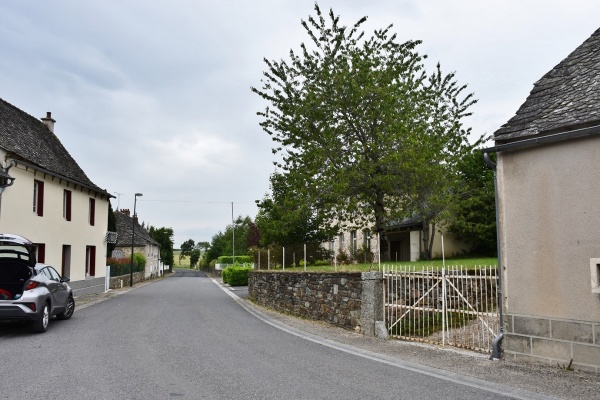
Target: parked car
x=30 y=291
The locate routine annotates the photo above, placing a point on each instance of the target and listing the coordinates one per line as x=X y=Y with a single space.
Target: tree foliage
x=360 y=125
x=222 y=243
x=287 y=217
x=186 y=249
x=164 y=237
x=194 y=257
x=475 y=212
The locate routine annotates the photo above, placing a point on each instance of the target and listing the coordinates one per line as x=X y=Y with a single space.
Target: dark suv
x=30 y=291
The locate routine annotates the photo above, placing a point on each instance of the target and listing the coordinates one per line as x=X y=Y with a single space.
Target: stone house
x=52 y=202
x=405 y=242
x=549 y=216
x=142 y=242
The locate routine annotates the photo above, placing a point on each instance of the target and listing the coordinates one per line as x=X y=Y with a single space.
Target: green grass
x=184 y=263
x=467 y=263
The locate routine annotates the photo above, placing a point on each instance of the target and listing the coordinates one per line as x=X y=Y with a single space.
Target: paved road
x=185 y=337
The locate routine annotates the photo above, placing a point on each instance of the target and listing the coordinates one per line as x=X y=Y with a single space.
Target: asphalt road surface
x=187 y=337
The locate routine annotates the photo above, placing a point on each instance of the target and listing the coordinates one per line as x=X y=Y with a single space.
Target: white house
x=51 y=201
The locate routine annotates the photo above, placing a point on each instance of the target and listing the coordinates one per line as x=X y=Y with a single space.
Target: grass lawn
x=184 y=263
x=468 y=263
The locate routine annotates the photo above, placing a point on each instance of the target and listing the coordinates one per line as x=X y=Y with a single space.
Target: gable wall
x=17 y=216
x=549 y=203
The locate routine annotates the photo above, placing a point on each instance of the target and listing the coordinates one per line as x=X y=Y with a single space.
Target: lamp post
x=133 y=237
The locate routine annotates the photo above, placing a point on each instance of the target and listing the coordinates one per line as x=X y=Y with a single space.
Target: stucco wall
x=17 y=216
x=550 y=228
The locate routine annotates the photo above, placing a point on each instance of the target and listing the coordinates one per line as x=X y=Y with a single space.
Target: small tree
x=186 y=249
x=194 y=257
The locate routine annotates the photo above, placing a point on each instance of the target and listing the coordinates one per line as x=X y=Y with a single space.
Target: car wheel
x=41 y=325
x=69 y=310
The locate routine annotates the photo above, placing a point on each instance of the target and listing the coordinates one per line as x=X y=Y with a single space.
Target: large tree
x=360 y=125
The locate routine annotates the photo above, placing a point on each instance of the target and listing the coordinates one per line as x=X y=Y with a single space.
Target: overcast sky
x=154 y=96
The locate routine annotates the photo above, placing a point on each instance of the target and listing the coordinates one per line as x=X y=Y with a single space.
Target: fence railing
x=451 y=306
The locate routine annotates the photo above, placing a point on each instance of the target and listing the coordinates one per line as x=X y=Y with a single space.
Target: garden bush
x=121 y=266
x=235 y=275
x=235 y=260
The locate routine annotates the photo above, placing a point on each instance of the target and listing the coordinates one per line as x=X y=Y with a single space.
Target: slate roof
x=566 y=98
x=26 y=138
x=142 y=237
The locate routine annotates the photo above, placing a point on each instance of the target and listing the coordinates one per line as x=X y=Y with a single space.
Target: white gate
x=452 y=306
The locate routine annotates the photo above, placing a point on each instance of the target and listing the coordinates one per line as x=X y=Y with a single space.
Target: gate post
x=371 y=309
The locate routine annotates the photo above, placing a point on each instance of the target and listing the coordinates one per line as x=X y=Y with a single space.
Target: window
x=38 y=197
x=67 y=205
x=341 y=241
x=353 y=240
x=92 y=212
x=40 y=252
x=367 y=239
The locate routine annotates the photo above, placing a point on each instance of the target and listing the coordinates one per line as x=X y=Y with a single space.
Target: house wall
x=152 y=254
x=52 y=229
x=550 y=229
x=404 y=245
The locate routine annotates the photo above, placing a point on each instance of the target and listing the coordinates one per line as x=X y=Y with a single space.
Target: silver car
x=30 y=291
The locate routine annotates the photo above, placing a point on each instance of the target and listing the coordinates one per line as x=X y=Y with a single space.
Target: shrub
x=363 y=255
x=343 y=258
x=121 y=266
x=237 y=260
x=319 y=263
x=236 y=276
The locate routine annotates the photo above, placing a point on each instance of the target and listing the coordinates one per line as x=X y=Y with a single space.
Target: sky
x=153 y=96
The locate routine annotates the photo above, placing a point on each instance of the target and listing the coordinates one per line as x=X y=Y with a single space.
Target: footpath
x=528 y=380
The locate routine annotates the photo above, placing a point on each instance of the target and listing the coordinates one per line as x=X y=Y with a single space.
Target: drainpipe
x=497 y=344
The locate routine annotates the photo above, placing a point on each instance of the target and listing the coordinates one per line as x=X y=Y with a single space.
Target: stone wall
x=117 y=282
x=348 y=299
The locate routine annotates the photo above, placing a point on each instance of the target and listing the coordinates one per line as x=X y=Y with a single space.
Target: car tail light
x=32 y=285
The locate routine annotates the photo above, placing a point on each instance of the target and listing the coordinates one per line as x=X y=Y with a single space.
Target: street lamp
x=132 y=237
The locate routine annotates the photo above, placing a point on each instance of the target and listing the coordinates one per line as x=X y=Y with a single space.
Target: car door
x=58 y=290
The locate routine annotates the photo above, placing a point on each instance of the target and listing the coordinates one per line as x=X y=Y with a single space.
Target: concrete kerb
x=496 y=388
x=82 y=302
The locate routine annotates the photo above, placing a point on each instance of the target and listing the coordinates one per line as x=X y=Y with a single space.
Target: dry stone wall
x=338 y=298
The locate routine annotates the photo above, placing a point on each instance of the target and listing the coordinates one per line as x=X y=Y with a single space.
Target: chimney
x=125 y=211
x=49 y=121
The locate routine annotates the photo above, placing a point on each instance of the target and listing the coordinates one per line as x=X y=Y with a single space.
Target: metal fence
x=452 y=306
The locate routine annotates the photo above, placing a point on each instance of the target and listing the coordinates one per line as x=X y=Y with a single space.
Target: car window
x=54 y=275
x=46 y=273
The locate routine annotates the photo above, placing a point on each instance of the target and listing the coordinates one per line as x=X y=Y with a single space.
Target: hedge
x=235 y=260
x=236 y=276
x=122 y=266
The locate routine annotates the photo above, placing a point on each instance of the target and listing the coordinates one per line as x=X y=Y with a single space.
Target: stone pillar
x=371 y=301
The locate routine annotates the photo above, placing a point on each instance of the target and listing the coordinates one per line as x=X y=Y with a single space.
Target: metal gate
x=454 y=306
